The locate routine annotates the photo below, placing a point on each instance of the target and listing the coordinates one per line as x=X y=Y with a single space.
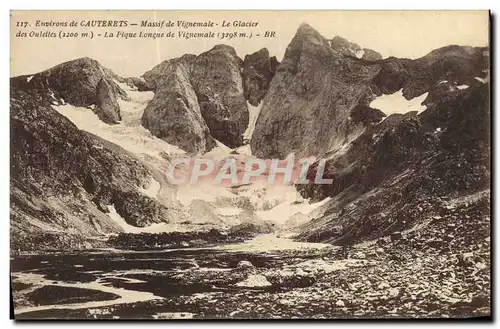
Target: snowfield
x=129 y=134
x=253 y=112
x=396 y=103
x=278 y=204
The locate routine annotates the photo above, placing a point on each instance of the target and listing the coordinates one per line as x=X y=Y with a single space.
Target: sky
x=409 y=34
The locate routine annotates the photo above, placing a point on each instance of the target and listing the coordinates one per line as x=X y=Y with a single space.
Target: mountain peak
x=305 y=27
x=82 y=61
x=223 y=48
x=82 y=82
x=305 y=31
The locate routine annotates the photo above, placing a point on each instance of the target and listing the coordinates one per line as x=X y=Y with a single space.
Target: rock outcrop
x=306 y=110
x=458 y=64
x=154 y=77
x=216 y=77
x=344 y=47
x=81 y=82
x=258 y=71
x=210 y=84
x=174 y=113
x=371 y=55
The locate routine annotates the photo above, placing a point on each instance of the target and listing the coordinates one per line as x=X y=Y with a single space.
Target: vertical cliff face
x=174 y=113
x=306 y=110
x=216 y=77
x=258 y=71
x=106 y=106
x=217 y=84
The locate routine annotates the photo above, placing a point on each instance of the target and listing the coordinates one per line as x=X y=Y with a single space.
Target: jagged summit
x=307 y=34
x=224 y=48
x=258 y=70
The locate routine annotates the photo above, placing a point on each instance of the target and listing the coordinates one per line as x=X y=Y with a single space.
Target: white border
x=190 y=4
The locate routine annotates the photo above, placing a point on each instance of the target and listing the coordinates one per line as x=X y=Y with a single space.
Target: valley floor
x=440 y=270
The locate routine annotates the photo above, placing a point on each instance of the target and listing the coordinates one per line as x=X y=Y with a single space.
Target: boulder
x=396 y=236
x=255 y=281
x=244 y=264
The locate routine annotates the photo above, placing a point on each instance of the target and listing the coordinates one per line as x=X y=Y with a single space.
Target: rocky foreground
x=440 y=269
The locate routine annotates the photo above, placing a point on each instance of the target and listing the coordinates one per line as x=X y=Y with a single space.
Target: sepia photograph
x=195 y=165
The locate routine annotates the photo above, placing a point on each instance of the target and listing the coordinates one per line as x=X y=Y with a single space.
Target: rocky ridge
x=387 y=179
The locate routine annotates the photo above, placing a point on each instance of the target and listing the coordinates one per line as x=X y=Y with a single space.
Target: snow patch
x=396 y=103
x=127 y=228
x=229 y=211
x=219 y=152
x=245 y=150
x=483 y=80
x=360 y=53
x=282 y=212
x=152 y=190
x=140 y=97
x=208 y=192
x=463 y=87
x=52 y=95
x=28 y=79
x=441 y=82
x=253 y=112
x=270 y=242
x=129 y=134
